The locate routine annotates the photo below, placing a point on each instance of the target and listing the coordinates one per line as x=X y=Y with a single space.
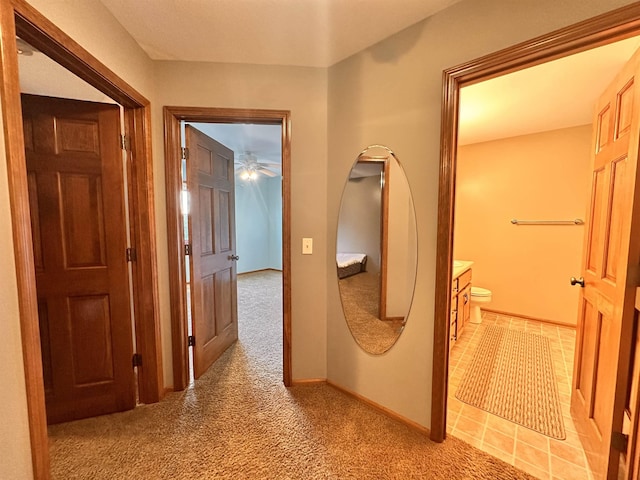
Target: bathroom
x=541 y=176
x=504 y=180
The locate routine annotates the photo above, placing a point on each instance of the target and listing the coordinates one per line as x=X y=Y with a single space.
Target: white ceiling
x=313 y=33
x=263 y=141
x=549 y=96
x=40 y=75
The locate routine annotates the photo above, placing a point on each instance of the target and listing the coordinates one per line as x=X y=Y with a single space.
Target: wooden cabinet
x=460 y=305
x=453 y=327
x=464 y=308
x=453 y=316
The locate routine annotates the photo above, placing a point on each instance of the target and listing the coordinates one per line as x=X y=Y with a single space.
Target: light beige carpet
x=239 y=422
x=360 y=295
x=511 y=375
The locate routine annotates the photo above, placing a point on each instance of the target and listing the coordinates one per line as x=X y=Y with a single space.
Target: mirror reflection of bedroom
x=376 y=243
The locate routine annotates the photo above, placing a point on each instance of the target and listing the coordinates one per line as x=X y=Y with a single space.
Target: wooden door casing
x=631 y=461
x=213 y=247
x=611 y=256
x=76 y=196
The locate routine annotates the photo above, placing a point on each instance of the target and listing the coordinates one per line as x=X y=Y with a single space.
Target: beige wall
x=391 y=94
x=541 y=176
x=401 y=243
x=303 y=91
x=359 y=220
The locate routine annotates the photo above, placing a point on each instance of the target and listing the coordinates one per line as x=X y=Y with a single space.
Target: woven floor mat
x=511 y=375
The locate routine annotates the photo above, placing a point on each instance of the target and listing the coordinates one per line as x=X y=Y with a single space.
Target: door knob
x=233 y=257
x=577 y=281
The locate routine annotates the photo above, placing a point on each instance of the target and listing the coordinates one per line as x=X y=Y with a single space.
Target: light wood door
x=213 y=248
x=76 y=196
x=610 y=269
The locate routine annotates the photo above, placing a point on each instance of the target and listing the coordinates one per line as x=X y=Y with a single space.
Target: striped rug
x=511 y=375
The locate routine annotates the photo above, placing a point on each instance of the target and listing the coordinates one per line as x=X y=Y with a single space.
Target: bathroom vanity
x=460 y=299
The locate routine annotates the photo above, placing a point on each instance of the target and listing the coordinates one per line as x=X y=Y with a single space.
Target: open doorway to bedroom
x=256 y=150
x=235 y=219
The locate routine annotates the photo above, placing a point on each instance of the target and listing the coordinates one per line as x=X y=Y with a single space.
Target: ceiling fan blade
x=268 y=164
x=267 y=172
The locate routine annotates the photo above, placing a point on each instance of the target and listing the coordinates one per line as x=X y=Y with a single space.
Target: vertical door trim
x=172 y=152
x=384 y=239
x=18 y=17
x=609 y=27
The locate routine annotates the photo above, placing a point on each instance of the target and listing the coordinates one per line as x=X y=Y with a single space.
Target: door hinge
x=620 y=441
x=125 y=142
x=191 y=341
x=136 y=360
x=185 y=153
x=187 y=249
x=131 y=254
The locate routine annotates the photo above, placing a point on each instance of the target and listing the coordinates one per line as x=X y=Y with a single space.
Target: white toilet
x=479 y=296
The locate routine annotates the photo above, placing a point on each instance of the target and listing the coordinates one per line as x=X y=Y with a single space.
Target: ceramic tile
x=474 y=413
x=568 y=423
x=573 y=438
x=532 y=327
x=470 y=427
x=496 y=452
x=566 y=471
x=532 y=455
x=465 y=437
x=497 y=440
x=568 y=453
x=454 y=405
x=530 y=451
x=452 y=419
x=536 y=471
x=533 y=439
x=501 y=425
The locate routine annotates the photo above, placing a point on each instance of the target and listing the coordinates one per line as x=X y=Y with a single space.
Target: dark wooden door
x=604 y=336
x=213 y=248
x=76 y=196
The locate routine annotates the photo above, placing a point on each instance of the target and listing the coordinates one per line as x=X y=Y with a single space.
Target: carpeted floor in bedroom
x=238 y=421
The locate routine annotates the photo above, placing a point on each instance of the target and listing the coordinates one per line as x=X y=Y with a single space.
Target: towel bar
x=577 y=221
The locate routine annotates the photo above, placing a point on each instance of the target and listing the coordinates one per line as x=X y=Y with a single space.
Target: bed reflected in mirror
x=376 y=250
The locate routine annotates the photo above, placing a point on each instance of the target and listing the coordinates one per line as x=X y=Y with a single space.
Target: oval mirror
x=376 y=250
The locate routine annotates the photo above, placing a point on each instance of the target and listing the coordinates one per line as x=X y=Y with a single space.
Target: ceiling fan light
x=253 y=175
x=245 y=175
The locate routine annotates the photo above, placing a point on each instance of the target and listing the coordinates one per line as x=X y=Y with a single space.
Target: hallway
x=239 y=421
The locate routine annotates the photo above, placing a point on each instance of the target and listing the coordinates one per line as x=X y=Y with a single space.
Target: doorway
x=255 y=207
x=527 y=269
x=19 y=19
x=178 y=266
x=580 y=37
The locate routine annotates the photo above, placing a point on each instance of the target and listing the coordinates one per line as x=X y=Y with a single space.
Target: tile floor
x=537 y=454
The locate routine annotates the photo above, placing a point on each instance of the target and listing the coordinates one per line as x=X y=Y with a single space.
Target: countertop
x=459 y=270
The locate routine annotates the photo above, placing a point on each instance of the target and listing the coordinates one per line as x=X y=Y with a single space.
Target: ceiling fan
x=248 y=167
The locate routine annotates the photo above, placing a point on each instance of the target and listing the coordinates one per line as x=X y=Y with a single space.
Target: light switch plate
x=307 y=246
